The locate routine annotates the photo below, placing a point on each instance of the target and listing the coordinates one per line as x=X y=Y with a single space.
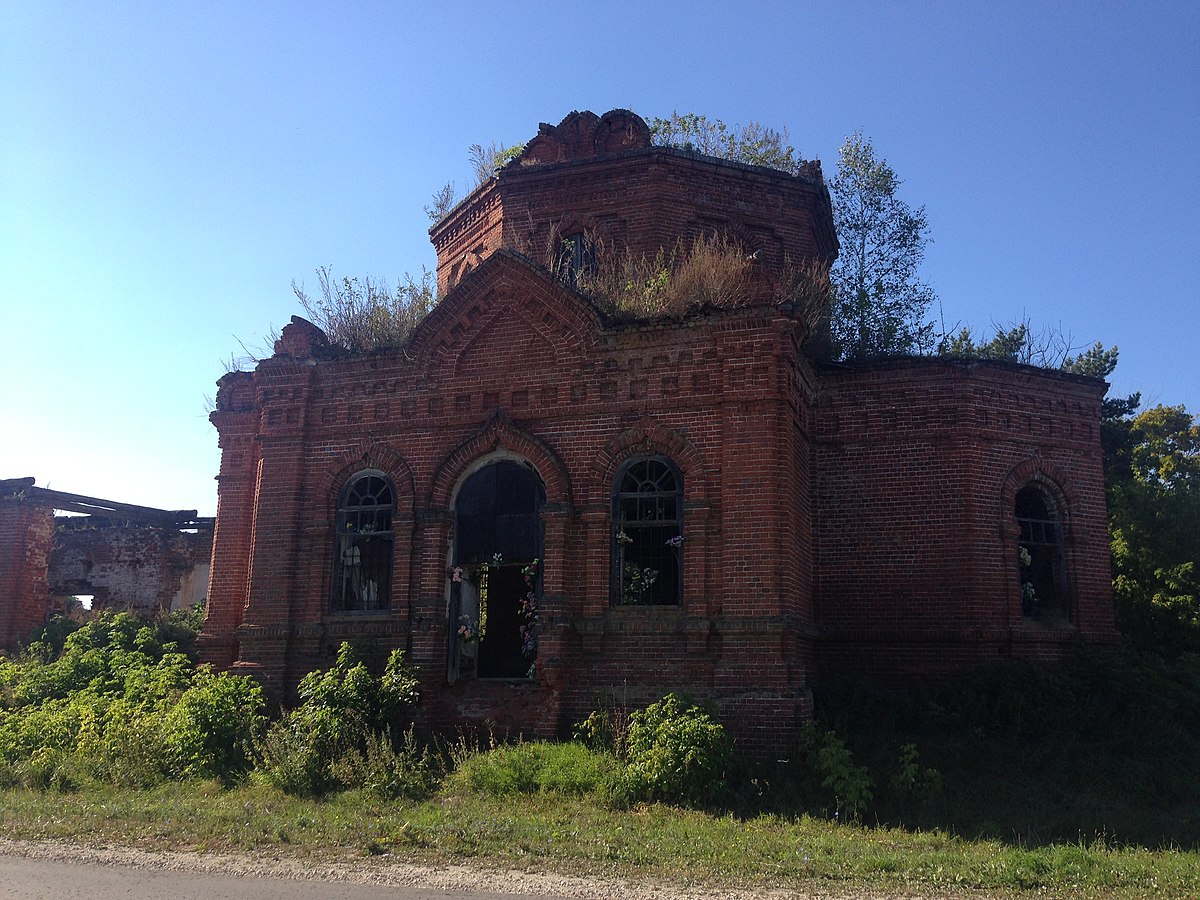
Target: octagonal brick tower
x=600 y=176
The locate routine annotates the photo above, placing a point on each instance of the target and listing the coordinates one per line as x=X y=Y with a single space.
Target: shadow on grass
x=1103 y=747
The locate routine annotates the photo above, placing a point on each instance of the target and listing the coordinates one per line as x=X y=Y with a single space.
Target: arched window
x=1040 y=561
x=362 y=560
x=647 y=536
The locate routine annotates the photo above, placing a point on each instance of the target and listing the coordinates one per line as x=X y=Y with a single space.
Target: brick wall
x=143 y=568
x=516 y=364
x=916 y=539
x=26 y=537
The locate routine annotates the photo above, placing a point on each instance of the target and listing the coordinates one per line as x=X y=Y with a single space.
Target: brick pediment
x=582 y=135
x=506 y=310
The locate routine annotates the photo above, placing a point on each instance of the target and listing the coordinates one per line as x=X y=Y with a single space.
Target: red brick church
x=546 y=505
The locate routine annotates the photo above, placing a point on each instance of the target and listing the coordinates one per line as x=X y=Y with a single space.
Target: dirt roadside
x=387 y=871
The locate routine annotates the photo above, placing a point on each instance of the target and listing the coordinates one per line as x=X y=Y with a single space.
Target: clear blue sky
x=167 y=169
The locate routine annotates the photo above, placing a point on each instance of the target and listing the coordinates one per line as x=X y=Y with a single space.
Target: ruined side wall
x=917 y=464
x=141 y=568
x=26 y=536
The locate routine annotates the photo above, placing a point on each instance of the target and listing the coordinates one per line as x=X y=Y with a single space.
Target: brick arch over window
x=648 y=438
x=1053 y=480
x=369 y=456
x=1048 y=561
x=500 y=433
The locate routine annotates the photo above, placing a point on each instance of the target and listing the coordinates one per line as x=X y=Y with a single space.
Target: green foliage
x=362 y=315
x=753 y=143
x=391 y=770
x=880 y=303
x=334 y=739
x=912 y=783
x=830 y=760
x=1154 y=510
x=540 y=768
x=115 y=702
x=444 y=200
x=1101 y=744
x=676 y=753
x=487 y=161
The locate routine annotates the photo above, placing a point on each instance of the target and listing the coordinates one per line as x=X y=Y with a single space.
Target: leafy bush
x=676 y=753
x=111 y=700
x=386 y=769
x=335 y=738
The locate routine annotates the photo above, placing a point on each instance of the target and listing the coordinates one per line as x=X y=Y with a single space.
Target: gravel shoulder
x=387 y=871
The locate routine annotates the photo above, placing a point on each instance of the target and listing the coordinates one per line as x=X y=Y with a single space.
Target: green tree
x=880 y=305
x=1154 y=514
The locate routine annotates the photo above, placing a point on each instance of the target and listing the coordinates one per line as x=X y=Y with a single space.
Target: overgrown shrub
x=388 y=769
x=851 y=785
x=351 y=730
x=676 y=753
x=712 y=271
x=362 y=315
x=112 y=701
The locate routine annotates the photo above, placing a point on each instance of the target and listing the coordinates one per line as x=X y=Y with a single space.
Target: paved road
x=49 y=879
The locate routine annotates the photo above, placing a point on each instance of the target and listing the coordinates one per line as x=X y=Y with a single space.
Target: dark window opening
x=495 y=580
x=576 y=257
x=1040 y=559
x=647 y=539
x=362 y=564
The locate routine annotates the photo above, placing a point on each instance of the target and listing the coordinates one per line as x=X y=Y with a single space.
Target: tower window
x=1040 y=562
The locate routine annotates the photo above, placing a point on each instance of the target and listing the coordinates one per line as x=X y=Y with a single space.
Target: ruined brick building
x=121 y=556
x=545 y=504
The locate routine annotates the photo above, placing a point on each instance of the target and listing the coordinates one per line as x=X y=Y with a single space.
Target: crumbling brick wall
x=142 y=568
x=130 y=558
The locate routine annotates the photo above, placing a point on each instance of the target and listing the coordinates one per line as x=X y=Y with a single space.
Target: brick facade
x=849 y=518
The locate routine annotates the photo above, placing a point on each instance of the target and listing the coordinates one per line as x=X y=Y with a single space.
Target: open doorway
x=495 y=580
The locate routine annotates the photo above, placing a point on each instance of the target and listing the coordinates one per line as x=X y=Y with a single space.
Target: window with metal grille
x=1040 y=559
x=362 y=561
x=647 y=537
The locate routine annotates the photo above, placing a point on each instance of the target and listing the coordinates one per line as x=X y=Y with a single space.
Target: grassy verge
x=578 y=836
